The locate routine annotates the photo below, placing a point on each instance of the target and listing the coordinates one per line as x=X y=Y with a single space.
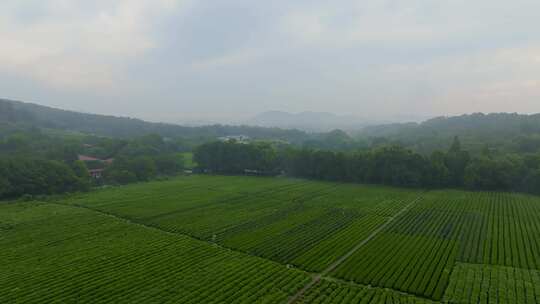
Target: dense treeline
x=33 y=162
x=232 y=158
x=140 y=159
x=503 y=133
x=496 y=151
x=390 y=165
x=31 y=177
x=126 y=170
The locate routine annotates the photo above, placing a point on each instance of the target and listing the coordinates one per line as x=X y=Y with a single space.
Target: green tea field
x=227 y=239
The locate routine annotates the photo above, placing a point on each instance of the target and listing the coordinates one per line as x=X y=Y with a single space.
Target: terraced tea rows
x=291 y=221
x=137 y=244
x=418 y=252
x=329 y=292
x=474 y=283
x=62 y=254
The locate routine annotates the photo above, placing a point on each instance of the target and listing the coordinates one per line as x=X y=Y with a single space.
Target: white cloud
x=365 y=56
x=77 y=44
x=504 y=80
x=412 y=24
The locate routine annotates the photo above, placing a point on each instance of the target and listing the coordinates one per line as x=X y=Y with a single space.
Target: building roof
x=90 y=158
x=87 y=158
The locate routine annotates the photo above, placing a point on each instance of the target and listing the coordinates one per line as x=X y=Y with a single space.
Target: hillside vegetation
x=16 y=112
x=500 y=132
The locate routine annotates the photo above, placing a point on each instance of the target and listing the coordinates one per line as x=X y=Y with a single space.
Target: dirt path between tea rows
x=318 y=276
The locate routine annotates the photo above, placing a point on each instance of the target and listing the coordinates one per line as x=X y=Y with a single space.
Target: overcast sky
x=227 y=60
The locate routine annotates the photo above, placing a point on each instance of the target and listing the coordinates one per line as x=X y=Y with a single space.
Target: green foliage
x=287 y=220
x=456 y=160
x=336 y=140
x=139 y=159
x=23 y=176
x=72 y=255
x=502 y=132
x=417 y=252
x=488 y=174
x=387 y=165
x=169 y=164
x=440 y=174
x=532 y=182
x=120 y=176
x=330 y=292
x=237 y=158
x=15 y=112
x=136 y=243
x=80 y=169
x=6 y=188
x=142 y=168
x=477 y=283
x=187 y=158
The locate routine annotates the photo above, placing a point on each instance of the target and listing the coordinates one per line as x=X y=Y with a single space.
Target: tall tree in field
x=456 y=161
x=440 y=175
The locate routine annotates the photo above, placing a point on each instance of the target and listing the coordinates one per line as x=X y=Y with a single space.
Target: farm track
x=318 y=277
x=253 y=242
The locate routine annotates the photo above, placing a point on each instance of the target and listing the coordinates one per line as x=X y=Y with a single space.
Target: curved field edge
x=54 y=253
x=292 y=221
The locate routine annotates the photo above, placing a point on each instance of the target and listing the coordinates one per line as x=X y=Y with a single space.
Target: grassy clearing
x=188 y=160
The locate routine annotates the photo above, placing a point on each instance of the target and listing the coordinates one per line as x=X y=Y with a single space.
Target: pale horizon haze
x=226 y=61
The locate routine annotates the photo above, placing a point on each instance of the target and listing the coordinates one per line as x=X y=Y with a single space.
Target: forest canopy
x=478 y=151
x=389 y=165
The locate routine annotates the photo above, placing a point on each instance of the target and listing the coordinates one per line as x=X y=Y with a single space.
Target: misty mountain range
x=322 y=121
x=471 y=127
x=308 y=121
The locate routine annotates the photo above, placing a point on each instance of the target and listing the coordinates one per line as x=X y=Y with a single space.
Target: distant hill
x=17 y=112
x=508 y=132
x=308 y=121
x=511 y=131
x=494 y=124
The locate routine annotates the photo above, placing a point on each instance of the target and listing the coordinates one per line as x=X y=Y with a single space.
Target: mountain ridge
x=309 y=121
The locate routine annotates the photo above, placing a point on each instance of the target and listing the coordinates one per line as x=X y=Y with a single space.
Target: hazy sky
x=176 y=60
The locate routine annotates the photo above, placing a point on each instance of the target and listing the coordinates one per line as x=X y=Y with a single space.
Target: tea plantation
x=227 y=239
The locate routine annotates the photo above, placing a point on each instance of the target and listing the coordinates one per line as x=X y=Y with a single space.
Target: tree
x=169 y=164
x=531 y=183
x=143 y=168
x=440 y=175
x=488 y=174
x=80 y=169
x=5 y=186
x=237 y=158
x=120 y=176
x=456 y=145
x=397 y=166
x=24 y=176
x=456 y=161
